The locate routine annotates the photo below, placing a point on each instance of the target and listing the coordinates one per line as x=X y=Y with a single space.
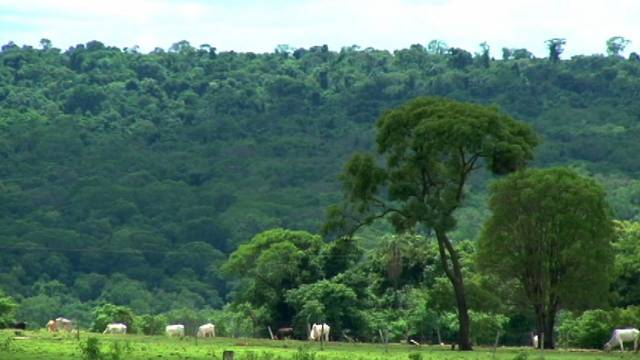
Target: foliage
x=485 y=326
x=593 y=328
x=129 y=178
x=616 y=45
x=555 y=47
x=90 y=349
x=273 y=262
x=109 y=313
x=549 y=230
x=325 y=301
x=626 y=288
x=431 y=147
x=150 y=324
x=7 y=310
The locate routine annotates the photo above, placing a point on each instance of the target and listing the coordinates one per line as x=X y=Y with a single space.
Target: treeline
x=128 y=178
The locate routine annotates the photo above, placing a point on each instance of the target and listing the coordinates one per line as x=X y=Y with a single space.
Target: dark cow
x=19 y=325
x=284 y=333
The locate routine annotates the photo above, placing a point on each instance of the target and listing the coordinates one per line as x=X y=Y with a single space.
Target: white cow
x=174 y=330
x=63 y=324
x=116 y=328
x=534 y=341
x=319 y=332
x=621 y=335
x=207 y=330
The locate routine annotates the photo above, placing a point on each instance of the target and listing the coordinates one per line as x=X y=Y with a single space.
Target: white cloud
x=260 y=26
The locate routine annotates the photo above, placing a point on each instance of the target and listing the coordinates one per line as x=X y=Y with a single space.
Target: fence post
x=227 y=355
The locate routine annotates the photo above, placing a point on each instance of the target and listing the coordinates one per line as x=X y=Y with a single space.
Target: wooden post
x=542 y=345
x=322 y=336
x=270 y=332
x=78 y=332
x=227 y=355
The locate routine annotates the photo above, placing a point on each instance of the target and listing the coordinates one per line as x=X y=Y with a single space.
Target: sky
x=259 y=26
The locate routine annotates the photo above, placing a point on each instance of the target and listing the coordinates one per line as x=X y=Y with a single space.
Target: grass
x=32 y=345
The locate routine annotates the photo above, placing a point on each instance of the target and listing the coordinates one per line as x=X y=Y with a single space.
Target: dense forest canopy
x=128 y=178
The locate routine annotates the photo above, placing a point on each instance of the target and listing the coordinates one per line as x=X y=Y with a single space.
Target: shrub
x=118 y=350
x=7 y=310
x=90 y=349
x=151 y=324
x=589 y=330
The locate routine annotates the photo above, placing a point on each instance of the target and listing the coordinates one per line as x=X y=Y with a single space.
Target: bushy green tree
x=7 y=310
x=556 y=47
x=151 y=324
x=271 y=263
x=549 y=230
x=37 y=310
x=616 y=45
x=627 y=263
x=325 y=301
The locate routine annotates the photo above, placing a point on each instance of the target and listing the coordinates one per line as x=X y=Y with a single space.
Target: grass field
x=38 y=345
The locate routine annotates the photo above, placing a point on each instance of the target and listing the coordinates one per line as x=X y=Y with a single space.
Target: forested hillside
x=129 y=178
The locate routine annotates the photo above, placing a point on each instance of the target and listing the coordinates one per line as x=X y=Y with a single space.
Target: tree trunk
x=454 y=272
x=549 y=339
x=463 y=316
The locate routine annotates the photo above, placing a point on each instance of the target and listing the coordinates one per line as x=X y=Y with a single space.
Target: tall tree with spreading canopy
x=550 y=231
x=616 y=45
x=556 y=47
x=429 y=147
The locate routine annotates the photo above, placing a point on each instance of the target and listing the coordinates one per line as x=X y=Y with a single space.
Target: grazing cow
x=174 y=330
x=284 y=333
x=319 y=332
x=19 y=325
x=534 y=341
x=206 y=330
x=64 y=324
x=621 y=335
x=51 y=326
x=116 y=328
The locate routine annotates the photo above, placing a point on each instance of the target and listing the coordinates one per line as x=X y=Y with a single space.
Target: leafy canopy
x=430 y=146
x=551 y=230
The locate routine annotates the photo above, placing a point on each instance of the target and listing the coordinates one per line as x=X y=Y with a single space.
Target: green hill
x=126 y=173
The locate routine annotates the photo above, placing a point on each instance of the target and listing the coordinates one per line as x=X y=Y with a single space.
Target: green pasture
x=43 y=346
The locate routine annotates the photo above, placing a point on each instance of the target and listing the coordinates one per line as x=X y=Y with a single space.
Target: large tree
x=428 y=149
x=556 y=47
x=616 y=45
x=271 y=263
x=550 y=230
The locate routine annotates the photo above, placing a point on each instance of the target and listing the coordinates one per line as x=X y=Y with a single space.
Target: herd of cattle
x=317 y=332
